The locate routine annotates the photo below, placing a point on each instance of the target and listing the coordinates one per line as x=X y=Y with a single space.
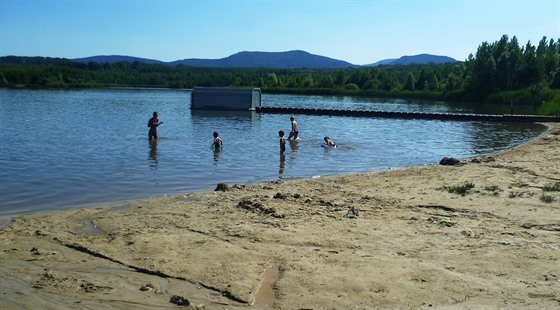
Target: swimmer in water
x=329 y=142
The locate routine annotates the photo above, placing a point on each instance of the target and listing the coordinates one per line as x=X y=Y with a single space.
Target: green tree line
x=501 y=72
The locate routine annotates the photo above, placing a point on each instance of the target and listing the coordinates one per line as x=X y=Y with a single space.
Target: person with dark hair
x=282 y=142
x=217 y=143
x=153 y=124
x=328 y=142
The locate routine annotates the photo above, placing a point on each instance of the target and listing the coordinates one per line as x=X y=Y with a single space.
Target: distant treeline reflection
x=501 y=72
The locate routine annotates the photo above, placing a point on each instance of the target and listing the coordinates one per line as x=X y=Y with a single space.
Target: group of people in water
x=294 y=136
x=217 y=143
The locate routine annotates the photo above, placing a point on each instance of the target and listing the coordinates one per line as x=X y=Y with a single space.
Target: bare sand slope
x=485 y=234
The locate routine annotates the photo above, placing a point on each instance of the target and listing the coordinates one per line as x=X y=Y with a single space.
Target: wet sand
x=482 y=234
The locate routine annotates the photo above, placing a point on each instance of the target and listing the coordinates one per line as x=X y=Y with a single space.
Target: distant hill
x=416 y=59
x=290 y=59
x=34 y=60
x=381 y=62
x=111 y=59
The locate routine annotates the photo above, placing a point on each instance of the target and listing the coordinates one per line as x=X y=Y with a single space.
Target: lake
x=69 y=149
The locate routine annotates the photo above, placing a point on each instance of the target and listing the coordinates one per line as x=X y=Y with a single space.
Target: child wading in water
x=217 y=143
x=282 y=142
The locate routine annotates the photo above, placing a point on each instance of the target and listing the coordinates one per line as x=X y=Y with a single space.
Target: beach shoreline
x=485 y=233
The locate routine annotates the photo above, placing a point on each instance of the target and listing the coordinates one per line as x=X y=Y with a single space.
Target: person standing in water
x=282 y=142
x=295 y=131
x=153 y=123
x=217 y=143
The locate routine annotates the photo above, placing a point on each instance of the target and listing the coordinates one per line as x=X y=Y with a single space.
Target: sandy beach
x=481 y=234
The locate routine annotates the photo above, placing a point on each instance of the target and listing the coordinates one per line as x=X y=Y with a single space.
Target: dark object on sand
x=179 y=301
x=449 y=161
x=222 y=187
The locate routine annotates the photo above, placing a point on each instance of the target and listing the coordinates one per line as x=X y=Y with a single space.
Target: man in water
x=294 y=132
x=153 y=123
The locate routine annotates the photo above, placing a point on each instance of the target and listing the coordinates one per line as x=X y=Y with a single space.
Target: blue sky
x=360 y=32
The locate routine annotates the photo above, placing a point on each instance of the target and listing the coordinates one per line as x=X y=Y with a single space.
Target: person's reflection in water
x=293 y=147
x=216 y=155
x=153 y=154
x=282 y=165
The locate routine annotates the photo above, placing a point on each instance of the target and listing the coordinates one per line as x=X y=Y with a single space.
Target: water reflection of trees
x=486 y=137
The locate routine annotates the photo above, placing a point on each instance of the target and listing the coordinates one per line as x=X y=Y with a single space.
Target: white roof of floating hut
x=225 y=98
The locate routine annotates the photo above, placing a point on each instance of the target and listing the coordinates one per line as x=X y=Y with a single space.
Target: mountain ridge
x=285 y=60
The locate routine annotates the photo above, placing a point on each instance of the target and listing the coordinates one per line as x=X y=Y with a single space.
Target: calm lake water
x=67 y=149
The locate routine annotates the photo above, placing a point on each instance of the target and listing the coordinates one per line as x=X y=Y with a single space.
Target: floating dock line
x=413 y=115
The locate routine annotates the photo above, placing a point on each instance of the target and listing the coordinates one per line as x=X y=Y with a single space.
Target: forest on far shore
x=502 y=72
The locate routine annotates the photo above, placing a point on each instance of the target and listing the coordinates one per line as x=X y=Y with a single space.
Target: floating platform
x=225 y=98
x=413 y=115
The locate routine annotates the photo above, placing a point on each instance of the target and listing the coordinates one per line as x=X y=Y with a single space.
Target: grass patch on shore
x=515 y=194
x=494 y=190
x=462 y=190
x=552 y=187
x=547 y=198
